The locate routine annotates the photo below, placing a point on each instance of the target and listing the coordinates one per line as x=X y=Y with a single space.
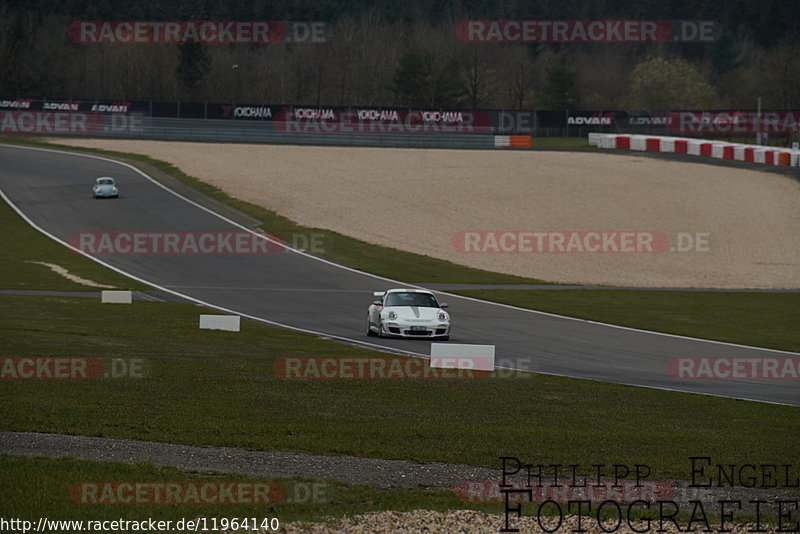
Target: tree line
x=386 y=53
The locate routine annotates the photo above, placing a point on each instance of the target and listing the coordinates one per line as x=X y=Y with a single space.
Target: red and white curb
x=784 y=157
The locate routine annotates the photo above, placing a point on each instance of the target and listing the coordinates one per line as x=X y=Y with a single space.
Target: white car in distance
x=408 y=313
x=105 y=187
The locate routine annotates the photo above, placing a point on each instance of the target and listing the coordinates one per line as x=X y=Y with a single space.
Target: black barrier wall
x=396 y=120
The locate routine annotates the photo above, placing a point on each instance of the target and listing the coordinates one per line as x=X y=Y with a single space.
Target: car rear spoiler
x=378 y=293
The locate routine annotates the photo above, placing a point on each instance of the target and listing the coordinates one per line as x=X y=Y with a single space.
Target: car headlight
x=114 y=188
x=442 y=316
x=391 y=315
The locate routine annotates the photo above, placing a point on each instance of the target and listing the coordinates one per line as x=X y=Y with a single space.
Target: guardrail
x=137 y=126
x=731 y=123
x=698 y=147
x=213 y=130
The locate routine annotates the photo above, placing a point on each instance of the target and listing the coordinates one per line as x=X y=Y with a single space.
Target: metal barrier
x=273 y=132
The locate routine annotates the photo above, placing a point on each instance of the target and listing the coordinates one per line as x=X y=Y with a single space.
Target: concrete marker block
x=220 y=322
x=116 y=297
x=462 y=356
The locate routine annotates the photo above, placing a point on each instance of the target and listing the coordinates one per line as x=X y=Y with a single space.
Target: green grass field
x=219 y=388
x=42 y=487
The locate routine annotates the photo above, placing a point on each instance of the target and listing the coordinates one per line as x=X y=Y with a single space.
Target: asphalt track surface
x=52 y=190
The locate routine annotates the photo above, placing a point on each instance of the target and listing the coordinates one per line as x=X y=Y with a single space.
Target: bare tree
x=518 y=75
x=378 y=48
x=477 y=72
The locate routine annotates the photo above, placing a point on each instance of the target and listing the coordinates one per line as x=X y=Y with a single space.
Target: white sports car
x=408 y=313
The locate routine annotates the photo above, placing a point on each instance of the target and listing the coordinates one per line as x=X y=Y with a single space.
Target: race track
x=52 y=190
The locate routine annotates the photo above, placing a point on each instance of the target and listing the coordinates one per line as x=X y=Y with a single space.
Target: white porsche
x=408 y=313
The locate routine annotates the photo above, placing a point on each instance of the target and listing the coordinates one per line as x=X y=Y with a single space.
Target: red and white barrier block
x=512 y=141
x=698 y=147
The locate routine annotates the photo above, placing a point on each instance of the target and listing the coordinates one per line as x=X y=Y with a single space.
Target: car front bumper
x=105 y=194
x=430 y=330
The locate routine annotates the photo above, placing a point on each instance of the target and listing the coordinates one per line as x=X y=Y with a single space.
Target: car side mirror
x=444 y=305
x=377 y=303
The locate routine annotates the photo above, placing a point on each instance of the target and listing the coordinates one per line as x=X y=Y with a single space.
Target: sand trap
x=418 y=200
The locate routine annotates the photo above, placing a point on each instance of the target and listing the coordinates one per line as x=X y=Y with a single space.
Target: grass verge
x=758 y=319
x=562 y=143
x=23 y=244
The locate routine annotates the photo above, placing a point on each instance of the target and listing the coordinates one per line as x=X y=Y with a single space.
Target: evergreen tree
x=413 y=78
x=561 y=85
x=194 y=62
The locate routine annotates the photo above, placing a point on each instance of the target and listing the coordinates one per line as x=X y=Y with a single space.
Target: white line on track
x=292 y=289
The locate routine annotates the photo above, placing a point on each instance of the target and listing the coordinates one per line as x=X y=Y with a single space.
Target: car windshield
x=105 y=181
x=425 y=300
